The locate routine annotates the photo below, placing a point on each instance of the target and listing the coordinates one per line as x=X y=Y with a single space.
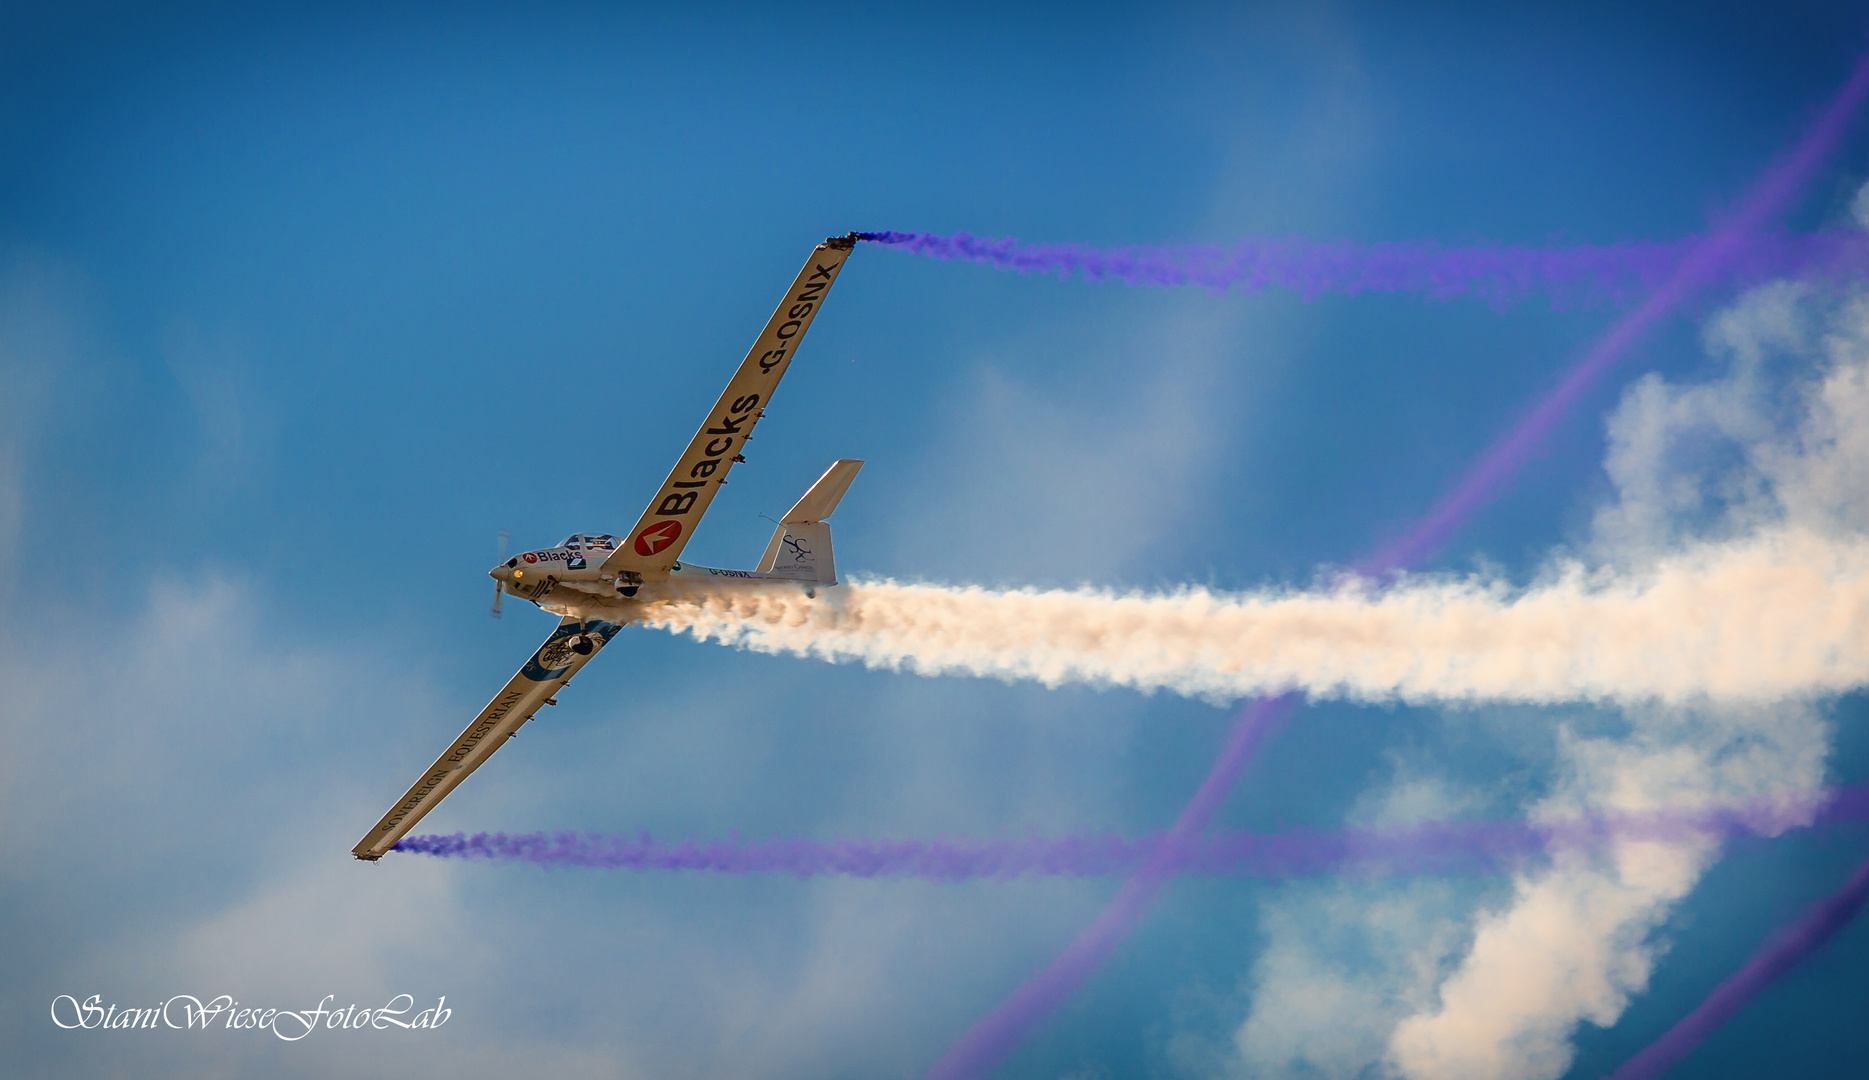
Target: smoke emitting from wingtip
x=1436 y=847
x=1578 y=275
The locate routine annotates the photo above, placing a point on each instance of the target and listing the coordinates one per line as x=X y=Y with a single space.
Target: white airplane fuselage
x=569 y=579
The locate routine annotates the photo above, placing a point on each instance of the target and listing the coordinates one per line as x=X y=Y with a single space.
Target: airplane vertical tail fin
x=801 y=545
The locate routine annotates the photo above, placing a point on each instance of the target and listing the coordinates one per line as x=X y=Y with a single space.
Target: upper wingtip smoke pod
x=849 y=240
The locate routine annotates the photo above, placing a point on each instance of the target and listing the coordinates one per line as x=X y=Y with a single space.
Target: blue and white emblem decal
x=560 y=651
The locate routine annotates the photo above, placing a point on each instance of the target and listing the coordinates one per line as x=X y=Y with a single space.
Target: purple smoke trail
x=1576 y=276
x=1787 y=949
x=988 y=1043
x=1436 y=847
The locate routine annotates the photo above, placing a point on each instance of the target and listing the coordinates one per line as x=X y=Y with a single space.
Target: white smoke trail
x=1782 y=613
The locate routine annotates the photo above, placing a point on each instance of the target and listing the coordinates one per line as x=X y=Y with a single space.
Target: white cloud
x=1344 y=963
x=1083 y=480
x=210 y=370
x=39 y=337
x=1724 y=458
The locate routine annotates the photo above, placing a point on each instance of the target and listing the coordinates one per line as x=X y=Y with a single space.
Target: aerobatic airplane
x=598 y=583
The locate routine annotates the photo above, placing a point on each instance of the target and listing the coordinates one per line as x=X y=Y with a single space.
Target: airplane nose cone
x=500 y=573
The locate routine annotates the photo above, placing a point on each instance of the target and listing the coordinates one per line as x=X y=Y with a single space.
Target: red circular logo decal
x=657 y=536
x=530 y=557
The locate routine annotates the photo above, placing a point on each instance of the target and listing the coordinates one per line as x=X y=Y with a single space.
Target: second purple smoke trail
x=1437 y=847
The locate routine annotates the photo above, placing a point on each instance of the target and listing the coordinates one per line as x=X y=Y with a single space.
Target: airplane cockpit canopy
x=583 y=542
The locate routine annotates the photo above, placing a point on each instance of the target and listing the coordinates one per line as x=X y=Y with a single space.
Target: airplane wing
x=652 y=547
x=550 y=668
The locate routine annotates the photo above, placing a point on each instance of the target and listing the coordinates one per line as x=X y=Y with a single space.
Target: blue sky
x=299 y=307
